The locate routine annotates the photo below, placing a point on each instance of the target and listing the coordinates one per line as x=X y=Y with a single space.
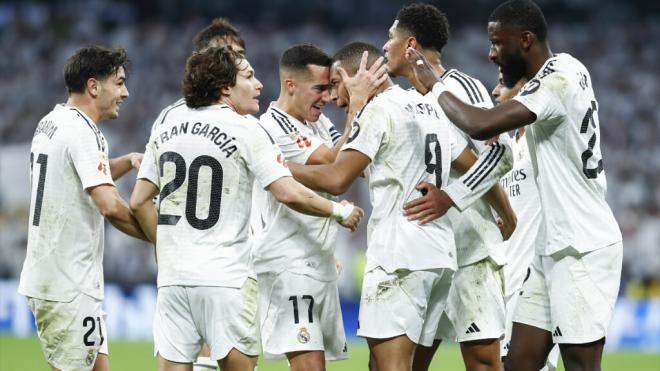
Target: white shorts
x=403 y=303
x=299 y=313
x=572 y=296
x=475 y=307
x=71 y=334
x=223 y=317
x=511 y=301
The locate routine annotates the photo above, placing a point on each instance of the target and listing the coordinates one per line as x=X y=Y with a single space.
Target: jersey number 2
x=590 y=119
x=191 y=196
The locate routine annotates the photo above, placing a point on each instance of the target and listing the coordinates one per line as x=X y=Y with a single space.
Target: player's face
x=395 y=49
x=338 y=92
x=506 y=51
x=244 y=96
x=111 y=93
x=502 y=94
x=311 y=92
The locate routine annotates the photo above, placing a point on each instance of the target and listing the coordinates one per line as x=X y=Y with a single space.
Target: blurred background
x=617 y=42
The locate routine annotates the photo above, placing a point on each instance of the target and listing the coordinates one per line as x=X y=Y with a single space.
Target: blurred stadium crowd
x=37 y=37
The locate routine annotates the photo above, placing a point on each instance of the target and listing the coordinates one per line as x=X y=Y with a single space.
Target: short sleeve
x=264 y=158
x=544 y=96
x=90 y=158
x=149 y=167
x=368 y=131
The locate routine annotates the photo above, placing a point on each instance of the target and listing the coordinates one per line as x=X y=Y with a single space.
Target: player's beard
x=513 y=69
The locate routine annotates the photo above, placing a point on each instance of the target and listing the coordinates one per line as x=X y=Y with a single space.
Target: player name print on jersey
x=208 y=131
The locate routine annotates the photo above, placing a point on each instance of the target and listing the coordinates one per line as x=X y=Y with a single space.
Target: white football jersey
x=408 y=141
x=204 y=161
x=564 y=144
x=293 y=241
x=65 y=237
x=475 y=229
x=524 y=198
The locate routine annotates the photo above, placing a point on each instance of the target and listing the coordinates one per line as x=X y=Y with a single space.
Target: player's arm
x=334 y=178
x=480 y=178
x=301 y=199
x=123 y=164
x=143 y=207
x=114 y=208
x=478 y=123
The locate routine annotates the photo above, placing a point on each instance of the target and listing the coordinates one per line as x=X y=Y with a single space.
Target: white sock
x=205 y=364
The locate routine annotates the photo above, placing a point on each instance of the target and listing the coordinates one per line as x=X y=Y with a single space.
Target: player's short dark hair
x=522 y=14
x=350 y=55
x=92 y=62
x=208 y=72
x=219 y=27
x=426 y=23
x=298 y=57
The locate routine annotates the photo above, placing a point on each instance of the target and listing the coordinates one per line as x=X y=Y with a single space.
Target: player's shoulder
x=466 y=87
x=277 y=122
x=165 y=113
x=562 y=74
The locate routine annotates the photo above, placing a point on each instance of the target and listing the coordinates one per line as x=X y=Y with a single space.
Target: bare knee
x=303 y=361
x=481 y=355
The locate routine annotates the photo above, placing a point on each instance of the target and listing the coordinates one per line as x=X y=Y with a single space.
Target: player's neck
x=86 y=105
x=284 y=103
x=435 y=59
x=386 y=85
x=537 y=59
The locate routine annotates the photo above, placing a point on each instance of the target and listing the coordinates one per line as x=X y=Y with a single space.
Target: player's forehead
x=317 y=74
x=334 y=74
x=244 y=67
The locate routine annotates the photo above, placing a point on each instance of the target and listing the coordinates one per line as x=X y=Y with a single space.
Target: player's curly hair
x=208 y=72
x=522 y=14
x=93 y=62
x=219 y=27
x=426 y=23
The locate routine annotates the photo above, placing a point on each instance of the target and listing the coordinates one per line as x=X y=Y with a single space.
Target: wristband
x=438 y=88
x=341 y=212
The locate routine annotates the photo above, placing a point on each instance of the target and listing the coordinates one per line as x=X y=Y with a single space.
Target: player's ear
x=289 y=86
x=526 y=39
x=93 y=87
x=411 y=42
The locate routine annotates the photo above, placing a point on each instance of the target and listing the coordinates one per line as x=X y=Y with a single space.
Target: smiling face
x=502 y=93
x=398 y=40
x=111 y=92
x=506 y=51
x=310 y=92
x=338 y=92
x=243 y=96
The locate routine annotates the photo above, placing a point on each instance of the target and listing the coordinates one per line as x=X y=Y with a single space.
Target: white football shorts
x=572 y=296
x=403 y=303
x=223 y=317
x=300 y=313
x=71 y=334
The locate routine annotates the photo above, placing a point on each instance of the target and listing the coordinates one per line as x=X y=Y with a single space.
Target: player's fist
x=507 y=227
x=136 y=159
x=352 y=216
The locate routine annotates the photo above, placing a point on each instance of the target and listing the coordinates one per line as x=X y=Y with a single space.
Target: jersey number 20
x=191 y=196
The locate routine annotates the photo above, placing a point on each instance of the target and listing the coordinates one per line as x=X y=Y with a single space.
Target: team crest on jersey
x=355 y=131
x=303 y=336
x=90 y=357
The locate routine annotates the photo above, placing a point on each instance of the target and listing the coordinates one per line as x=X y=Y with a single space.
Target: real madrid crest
x=90 y=357
x=303 y=335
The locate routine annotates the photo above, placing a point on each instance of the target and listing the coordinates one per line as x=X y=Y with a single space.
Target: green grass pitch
x=20 y=354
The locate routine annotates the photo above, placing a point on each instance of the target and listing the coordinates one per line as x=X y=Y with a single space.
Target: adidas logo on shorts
x=557 y=332
x=472 y=329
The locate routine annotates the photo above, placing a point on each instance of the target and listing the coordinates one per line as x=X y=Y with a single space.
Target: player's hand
x=136 y=159
x=433 y=204
x=364 y=84
x=424 y=75
x=354 y=219
x=507 y=227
